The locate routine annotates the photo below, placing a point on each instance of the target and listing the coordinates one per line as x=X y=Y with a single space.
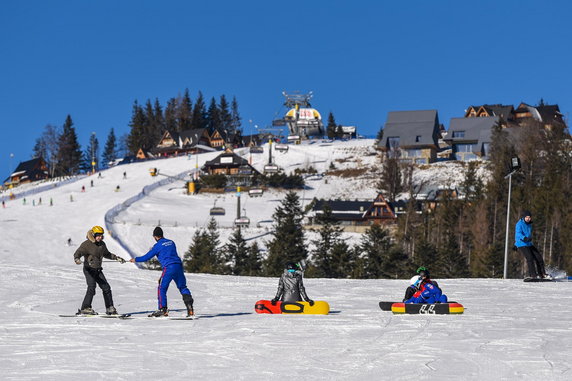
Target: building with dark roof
x=413 y=135
x=355 y=213
x=470 y=138
x=236 y=168
x=505 y=112
x=174 y=143
x=28 y=171
x=547 y=115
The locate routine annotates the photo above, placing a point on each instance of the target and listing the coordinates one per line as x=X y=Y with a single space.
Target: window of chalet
x=414 y=152
x=458 y=134
x=417 y=138
x=392 y=142
x=468 y=147
x=486 y=149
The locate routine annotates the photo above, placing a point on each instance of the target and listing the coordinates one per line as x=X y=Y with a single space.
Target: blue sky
x=361 y=59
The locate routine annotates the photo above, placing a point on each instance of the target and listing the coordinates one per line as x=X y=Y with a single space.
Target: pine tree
x=90 y=160
x=213 y=117
x=425 y=254
x=237 y=253
x=137 y=136
x=185 y=113
x=342 y=260
x=153 y=126
x=329 y=236
x=374 y=247
x=379 y=136
x=331 y=126
x=110 y=150
x=288 y=244
x=199 y=119
x=69 y=151
x=253 y=264
x=396 y=265
x=203 y=255
x=450 y=263
x=159 y=118
x=225 y=117
x=171 y=122
x=235 y=119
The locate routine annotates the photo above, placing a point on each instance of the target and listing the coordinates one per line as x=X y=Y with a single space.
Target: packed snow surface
x=510 y=330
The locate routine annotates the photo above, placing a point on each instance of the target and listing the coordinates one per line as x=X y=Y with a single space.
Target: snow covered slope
x=510 y=329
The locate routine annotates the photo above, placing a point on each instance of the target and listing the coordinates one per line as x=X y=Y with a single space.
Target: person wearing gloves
x=523 y=243
x=166 y=253
x=93 y=250
x=291 y=286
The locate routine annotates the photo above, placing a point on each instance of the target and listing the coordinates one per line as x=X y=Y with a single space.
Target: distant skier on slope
x=166 y=253
x=523 y=243
x=94 y=250
x=291 y=286
x=426 y=290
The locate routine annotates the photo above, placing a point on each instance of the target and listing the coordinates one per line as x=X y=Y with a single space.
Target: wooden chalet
x=174 y=143
x=504 y=112
x=28 y=171
x=356 y=213
x=238 y=170
x=547 y=115
x=413 y=136
x=217 y=139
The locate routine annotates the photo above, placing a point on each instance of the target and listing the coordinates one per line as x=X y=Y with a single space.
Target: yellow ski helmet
x=97 y=230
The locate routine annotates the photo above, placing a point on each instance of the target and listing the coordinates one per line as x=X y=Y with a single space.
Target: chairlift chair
x=256 y=192
x=256 y=149
x=242 y=222
x=217 y=211
x=271 y=168
x=281 y=147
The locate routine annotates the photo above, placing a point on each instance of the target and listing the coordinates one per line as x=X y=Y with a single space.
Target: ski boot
x=86 y=311
x=111 y=311
x=160 y=312
x=188 y=299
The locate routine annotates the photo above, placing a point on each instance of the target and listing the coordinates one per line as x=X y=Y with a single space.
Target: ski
x=539 y=280
x=119 y=316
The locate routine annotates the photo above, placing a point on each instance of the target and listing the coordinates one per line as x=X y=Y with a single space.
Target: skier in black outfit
x=291 y=286
x=94 y=250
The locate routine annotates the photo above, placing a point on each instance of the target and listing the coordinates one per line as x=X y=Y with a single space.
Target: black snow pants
x=93 y=277
x=534 y=261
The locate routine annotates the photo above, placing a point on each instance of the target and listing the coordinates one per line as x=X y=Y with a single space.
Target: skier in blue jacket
x=166 y=253
x=523 y=243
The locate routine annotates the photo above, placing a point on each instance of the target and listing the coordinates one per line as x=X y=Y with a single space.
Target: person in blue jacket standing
x=523 y=243
x=166 y=253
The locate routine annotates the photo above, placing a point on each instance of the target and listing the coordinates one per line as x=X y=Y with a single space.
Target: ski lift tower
x=302 y=120
x=271 y=167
